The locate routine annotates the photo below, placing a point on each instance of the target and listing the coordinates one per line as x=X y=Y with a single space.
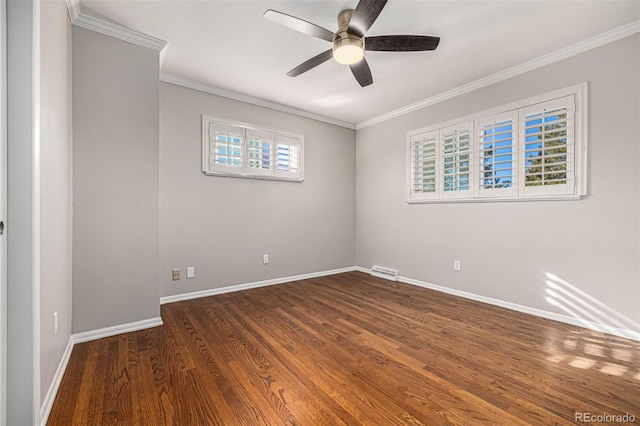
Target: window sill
x=498 y=200
x=255 y=177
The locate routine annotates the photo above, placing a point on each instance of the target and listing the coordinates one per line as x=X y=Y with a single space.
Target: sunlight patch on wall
x=587 y=309
x=612 y=354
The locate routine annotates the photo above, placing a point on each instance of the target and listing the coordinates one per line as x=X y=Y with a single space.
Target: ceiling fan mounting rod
x=344 y=18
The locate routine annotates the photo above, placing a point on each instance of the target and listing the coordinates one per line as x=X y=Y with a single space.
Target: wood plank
x=348 y=349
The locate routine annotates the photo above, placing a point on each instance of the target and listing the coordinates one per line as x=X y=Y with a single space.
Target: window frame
x=517 y=192
x=245 y=170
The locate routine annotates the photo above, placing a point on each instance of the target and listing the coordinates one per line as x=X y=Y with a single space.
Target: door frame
x=3 y=210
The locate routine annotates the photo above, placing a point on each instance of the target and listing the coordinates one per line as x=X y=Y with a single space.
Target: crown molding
x=556 y=56
x=218 y=91
x=73 y=7
x=114 y=30
x=111 y=29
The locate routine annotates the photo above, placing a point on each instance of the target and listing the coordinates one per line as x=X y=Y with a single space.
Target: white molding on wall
x=153 y=322
x=218 y=91
x=90 y=22
x=87 y=336
x=50 y=397
x=255 y=284
x=73 y=6
x=112 y=29
x=604 y=328
x=550 y=58
x=116 y=329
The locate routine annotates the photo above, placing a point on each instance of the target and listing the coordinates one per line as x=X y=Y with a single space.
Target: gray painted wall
x=21 y=284
x=504 y=256
x=55 y=187
x=115 y=182
x=223 y=226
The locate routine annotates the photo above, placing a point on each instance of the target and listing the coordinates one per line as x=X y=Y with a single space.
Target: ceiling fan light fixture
x=348 y=50
x=348 y=54
x=349 y=41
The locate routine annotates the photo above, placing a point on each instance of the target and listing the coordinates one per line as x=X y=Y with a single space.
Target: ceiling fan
x=349 y=42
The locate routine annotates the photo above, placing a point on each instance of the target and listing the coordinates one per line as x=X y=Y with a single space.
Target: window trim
x=246 y=172
x=580 y=94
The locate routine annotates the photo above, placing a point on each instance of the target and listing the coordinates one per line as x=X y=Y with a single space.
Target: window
x=497 y=155
x=242 y=150
x=549 y=148
x=456 y=160
x=423 y=166
x=533 y=149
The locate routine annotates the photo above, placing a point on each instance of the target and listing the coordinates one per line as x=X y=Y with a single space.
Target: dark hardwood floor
x=348 y=349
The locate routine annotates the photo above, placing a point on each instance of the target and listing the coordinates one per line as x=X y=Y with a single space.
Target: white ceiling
x=228 y=44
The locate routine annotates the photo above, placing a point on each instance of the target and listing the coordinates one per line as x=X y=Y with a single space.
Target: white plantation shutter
x=497 y=155
x=456 y=178
x=548 y=148
x=423 y=176
x=288 y=156
x=533 y=149
x=259 y=152
x=225 y=147
x=238 y=150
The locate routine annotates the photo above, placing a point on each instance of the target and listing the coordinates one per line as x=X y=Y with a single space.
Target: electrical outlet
x=175 y=274
x=265 y=259
x=191 y=271
x=457 y=265
x=55 y=323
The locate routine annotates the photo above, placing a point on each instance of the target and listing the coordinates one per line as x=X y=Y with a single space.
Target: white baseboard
x=255 y=284
x=579 y=322
x=116 y=329
x=153 y=322
x=86 y=336
x=47 y=404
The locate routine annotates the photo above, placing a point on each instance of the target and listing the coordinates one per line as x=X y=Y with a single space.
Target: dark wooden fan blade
x=364 y=16
x=362 y=73
x=299 y=25
x=401 y=43
x=311 y=63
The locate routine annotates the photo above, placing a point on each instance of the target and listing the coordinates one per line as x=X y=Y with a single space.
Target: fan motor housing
x=343 y=38
x=344 y=41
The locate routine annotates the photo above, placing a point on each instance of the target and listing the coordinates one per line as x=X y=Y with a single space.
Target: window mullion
x=521 y=151
x=245 y=152
x=477 y=159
